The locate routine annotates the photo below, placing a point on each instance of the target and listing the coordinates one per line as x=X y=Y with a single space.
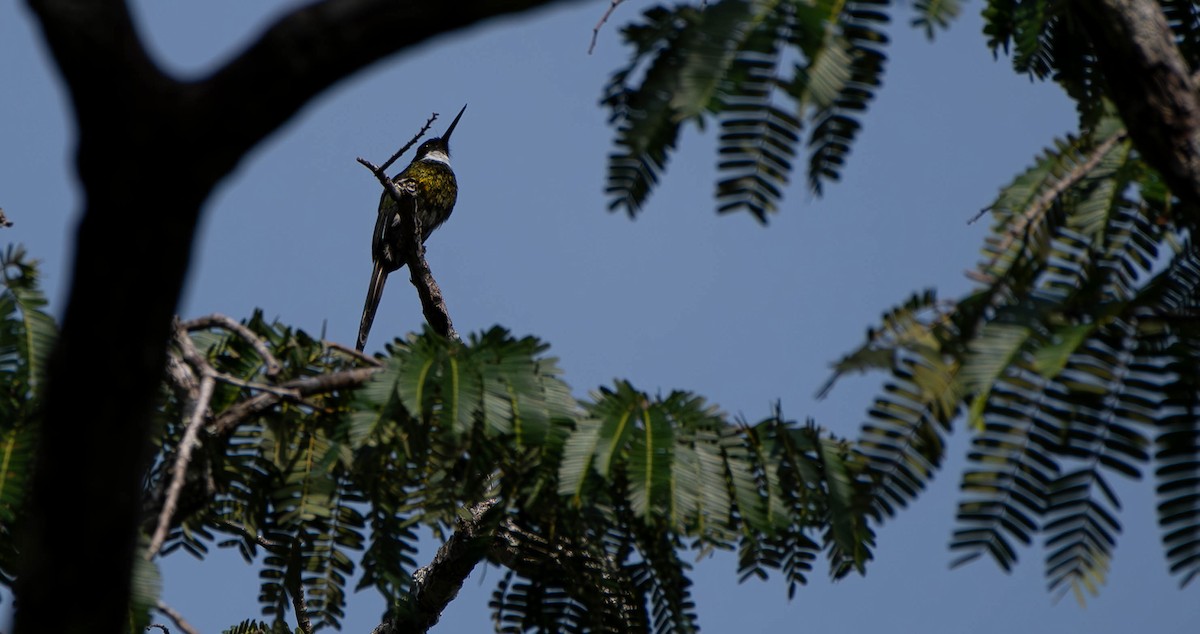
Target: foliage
x=27 y=334
x=735 y=62
x=1074 y=360
x=605 y=493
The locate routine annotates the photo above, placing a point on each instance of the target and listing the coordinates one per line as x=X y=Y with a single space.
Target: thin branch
x=282 y=392
x=603 y=19
x=183 y=377
x=351 y=352
x=411 y=142
x=164 y=628
x=259 y=539
x=230 y=324
x=229 y=419
x=187 y=444
x=176 y=617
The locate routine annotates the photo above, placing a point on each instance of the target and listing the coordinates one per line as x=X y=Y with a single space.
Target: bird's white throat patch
x=437 y=155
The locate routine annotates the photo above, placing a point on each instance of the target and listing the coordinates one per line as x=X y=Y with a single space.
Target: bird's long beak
x=450 y=130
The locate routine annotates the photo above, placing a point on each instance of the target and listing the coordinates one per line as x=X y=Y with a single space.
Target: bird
x=430 y=183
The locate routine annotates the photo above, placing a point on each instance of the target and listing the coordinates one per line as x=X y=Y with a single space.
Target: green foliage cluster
x=729 y=62
x=594 y=503
x=26 y=337
x=762 y=70
x=1075 y=360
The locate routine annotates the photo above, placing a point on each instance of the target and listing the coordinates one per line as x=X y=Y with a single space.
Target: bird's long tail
x=374 y=293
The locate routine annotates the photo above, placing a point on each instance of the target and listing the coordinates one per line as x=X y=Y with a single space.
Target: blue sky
x=678 y=299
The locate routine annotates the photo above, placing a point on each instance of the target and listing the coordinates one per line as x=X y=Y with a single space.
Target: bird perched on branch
x=429 y=182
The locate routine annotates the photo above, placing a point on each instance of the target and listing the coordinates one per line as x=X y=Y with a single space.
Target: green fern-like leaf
x=724 y=62
x=836 y=124
x=29 y=338
x=1178 y=478
x=662 y=577
x=1081 y=531
x=1007 y=485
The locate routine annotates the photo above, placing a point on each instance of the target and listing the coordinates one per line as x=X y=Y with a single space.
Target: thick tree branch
x=151 y=148
x=502 y=540
x=436 y=584
x=307 y=51
x=1151 y=85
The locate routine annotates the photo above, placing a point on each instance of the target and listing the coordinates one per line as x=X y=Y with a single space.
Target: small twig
x=4 y=221
x=164 y=628
x=404 y=148
x=228 y=323
x=259 y=539
x=361 y=356
x=262 y=387
x=228 y=420
x=179 y=471
x=176 y=617
x=182 y=376
x=980 y=214
x=603 y=19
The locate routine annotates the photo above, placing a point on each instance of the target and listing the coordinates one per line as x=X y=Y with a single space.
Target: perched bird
x=431 y=184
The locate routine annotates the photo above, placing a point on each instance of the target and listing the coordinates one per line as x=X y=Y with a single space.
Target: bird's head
x=438 y=148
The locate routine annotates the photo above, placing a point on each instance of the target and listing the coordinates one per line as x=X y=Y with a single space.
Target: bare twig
x=228 y=420
x=258 y=539
x=187 y=444
x=603 y=19
x=261 y=387
x=979 y=215
x=176 y=617
x=365 y=358
x=228 y=323
x=404 y=148
x=164 y=628
x=183 y=377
